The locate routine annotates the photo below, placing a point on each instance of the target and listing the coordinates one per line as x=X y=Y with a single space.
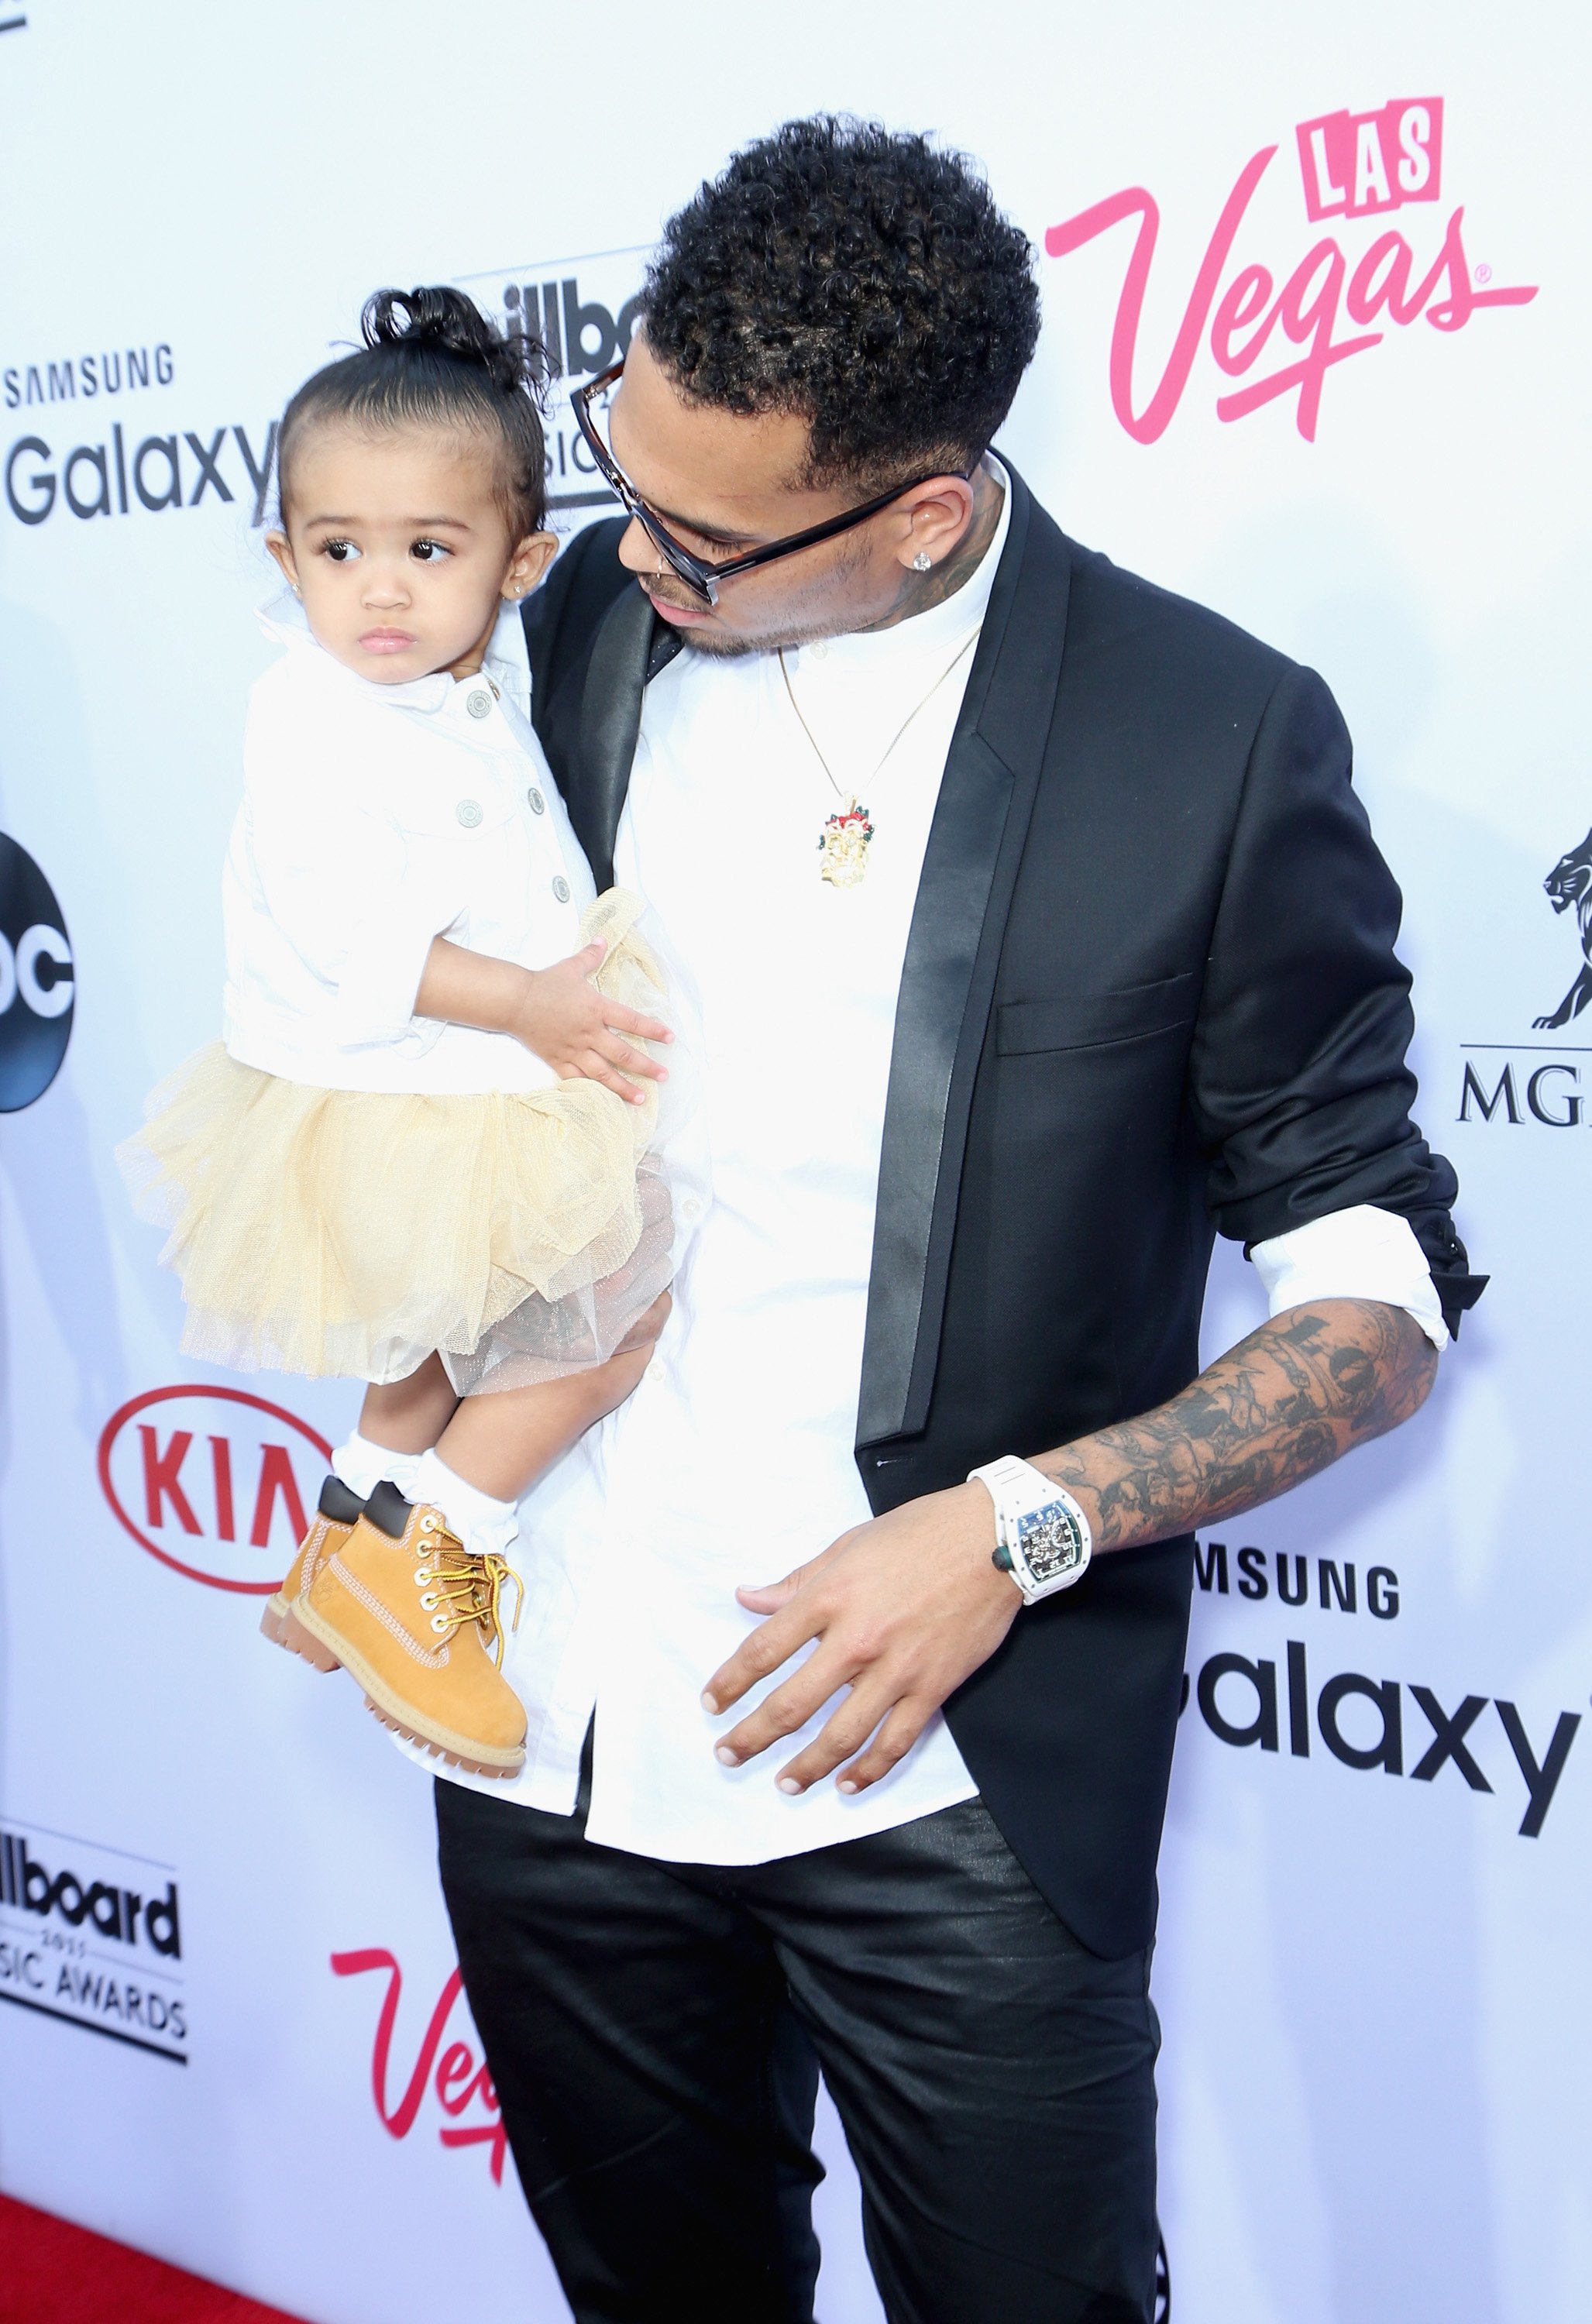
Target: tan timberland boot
x=335 y=1517
x=414 y=1616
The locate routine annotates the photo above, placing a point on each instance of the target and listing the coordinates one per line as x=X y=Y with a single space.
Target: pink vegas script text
x=459 y=2080
x=1353 y=166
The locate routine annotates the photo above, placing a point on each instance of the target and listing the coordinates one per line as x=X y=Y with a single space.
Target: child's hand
x=577 y=1029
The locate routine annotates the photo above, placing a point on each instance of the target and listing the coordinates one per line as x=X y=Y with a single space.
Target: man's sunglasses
x=700 y=575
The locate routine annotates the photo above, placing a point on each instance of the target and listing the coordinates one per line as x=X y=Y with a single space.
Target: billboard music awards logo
x=1541 y=1084
x=37 y=989
x=92 y=1936
x=214 y=1482
x=583 y=310
x=1363 y=1722
x=1290 y=329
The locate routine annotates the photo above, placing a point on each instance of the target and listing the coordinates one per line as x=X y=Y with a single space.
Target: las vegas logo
x=455 y=2076
x=1285 y=339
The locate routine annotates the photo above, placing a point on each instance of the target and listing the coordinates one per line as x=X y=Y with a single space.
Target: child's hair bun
x=444 y=321
x=431 y=359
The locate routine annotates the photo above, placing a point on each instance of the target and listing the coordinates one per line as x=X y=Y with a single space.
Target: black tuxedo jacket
x=1150 y=992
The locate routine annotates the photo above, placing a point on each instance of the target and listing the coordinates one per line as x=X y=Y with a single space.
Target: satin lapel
x=624 y=656
x=948 y=981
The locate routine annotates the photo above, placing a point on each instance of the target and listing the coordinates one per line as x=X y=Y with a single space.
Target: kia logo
x=36 y=987
x=213 y=1481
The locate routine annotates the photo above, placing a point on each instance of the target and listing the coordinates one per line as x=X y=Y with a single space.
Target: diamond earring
x=922 y=561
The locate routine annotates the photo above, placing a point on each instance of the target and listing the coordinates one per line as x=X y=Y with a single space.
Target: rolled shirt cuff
x=1359 y=1254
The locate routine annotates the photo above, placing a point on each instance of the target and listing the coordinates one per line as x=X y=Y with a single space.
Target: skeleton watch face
x=1050 y=1541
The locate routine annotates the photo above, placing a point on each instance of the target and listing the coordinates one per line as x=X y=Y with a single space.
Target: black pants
x=655 y=2032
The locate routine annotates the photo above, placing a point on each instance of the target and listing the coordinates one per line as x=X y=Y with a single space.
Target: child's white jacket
x=373 y=819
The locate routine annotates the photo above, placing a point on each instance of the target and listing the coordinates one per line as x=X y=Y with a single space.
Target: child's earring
x=293 y=586
x=922 y=561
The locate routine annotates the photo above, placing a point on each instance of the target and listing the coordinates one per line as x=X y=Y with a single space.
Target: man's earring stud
x=922 y=561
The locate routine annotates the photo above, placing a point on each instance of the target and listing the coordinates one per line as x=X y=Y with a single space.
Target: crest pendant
x=842 y=846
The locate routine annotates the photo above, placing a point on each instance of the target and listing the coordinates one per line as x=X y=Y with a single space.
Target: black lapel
x=631 y=646
x=948 y=981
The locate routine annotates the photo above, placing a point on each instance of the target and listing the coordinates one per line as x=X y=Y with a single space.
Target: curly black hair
x=430 y=358
x=854 y=276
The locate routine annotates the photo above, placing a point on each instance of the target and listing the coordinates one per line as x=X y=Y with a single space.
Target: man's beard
x=727 y=645
x=732 y=645
x=817 y=603
x=722 y=645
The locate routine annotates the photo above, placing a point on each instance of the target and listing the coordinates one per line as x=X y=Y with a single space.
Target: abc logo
x=36 y=986
x=36 y=982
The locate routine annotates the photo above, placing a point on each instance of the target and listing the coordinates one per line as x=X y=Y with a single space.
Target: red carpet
x=54 y=2274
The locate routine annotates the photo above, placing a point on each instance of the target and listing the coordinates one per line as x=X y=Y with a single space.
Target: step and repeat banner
x=1315 y=350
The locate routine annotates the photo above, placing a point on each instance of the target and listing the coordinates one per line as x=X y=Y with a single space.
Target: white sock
x=362 y=1466
x=481 y=1522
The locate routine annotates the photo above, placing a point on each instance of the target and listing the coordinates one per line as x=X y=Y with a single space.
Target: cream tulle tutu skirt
x=520 y=1234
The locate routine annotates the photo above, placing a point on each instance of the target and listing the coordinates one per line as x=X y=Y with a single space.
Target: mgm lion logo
x=1570 y=883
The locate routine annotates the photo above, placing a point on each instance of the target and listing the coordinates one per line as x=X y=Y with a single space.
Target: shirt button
x=469 y=813
x=479 y=703
x=691 y=1208
x=561 y=889
x=538 y=805
x=819 y=650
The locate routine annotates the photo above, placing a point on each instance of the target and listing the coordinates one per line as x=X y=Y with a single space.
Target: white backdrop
x=1373 y=1983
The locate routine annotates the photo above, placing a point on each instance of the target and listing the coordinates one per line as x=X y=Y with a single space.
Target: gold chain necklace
x=842 y=844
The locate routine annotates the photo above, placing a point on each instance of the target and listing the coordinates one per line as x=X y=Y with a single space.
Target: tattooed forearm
x=1284 y=1402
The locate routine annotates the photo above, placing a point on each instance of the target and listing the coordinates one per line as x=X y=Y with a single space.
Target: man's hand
x=904 y=1610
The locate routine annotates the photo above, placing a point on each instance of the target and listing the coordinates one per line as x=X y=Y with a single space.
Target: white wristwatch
x=1042 y=1536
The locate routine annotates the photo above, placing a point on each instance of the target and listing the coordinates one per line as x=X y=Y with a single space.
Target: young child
x=424 y=1154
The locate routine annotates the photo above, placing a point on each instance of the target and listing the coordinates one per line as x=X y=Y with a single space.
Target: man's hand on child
x=579 y=1031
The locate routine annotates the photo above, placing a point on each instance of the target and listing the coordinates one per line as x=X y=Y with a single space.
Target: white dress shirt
x=734 y=1461
x=375 y=818
x=1360 y=1253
